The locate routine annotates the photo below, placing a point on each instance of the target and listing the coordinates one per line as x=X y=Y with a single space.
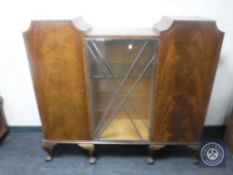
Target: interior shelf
x=121 y=129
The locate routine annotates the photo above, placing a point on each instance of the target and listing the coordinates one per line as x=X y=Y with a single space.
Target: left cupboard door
x=56 y=55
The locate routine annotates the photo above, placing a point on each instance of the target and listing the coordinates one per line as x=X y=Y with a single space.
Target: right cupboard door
x=187 y=61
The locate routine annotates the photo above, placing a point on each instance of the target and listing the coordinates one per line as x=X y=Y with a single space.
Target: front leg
x=151 y=150
x=91 y=150
x=48 y=147
x=195 y=154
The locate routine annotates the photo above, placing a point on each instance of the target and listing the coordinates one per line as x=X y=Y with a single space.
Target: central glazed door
x=121 y=73
x=55 y=50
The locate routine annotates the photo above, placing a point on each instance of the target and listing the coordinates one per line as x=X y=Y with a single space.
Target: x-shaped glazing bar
x=118 y=83
x=125 y=98
x=119 y=89
x=113 y=89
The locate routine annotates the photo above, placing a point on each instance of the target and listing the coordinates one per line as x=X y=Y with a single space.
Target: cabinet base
x=90 y=148
x=153 y=148
x=49 y=146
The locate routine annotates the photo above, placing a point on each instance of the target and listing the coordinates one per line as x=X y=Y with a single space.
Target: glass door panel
x=121 y=78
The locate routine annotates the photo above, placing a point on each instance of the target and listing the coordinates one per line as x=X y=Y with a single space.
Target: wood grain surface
x=56 y=55
x=187 y=61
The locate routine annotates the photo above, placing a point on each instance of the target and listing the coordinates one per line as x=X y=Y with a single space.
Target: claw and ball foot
x=48 y=147
x=48 y=158
x=150 y=160
x=91 y=150
x=151 y=149
x=92 y=160
x=195 y=159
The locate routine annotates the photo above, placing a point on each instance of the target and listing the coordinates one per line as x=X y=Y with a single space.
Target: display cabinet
x=146 y=86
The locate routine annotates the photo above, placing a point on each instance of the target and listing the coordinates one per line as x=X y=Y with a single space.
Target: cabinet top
x=125 y=32
x=164 y=24
x=154 y=32
x=81 y=24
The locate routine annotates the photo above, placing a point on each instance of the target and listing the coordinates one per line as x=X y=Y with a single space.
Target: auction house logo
x=212 y=154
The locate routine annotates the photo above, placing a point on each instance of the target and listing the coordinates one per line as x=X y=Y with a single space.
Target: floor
x=21 y=154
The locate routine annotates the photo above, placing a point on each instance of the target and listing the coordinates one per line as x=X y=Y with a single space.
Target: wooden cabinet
x=128 y=86
x=3 y=127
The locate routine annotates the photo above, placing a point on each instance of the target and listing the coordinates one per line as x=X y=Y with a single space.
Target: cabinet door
x=121 y=73
x=187 y=61
x=55 y=51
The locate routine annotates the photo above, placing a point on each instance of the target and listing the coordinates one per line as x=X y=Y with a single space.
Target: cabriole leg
x=151 y=150
x=91 y=151
x=48 y=147
x=195 y=154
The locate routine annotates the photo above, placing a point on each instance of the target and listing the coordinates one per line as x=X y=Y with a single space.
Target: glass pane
x=121 y=74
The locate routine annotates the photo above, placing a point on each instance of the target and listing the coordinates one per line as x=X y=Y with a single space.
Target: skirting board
x=209 y=132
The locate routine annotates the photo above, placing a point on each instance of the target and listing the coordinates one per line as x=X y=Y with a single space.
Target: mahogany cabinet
x=3 y=126
x=123 y=86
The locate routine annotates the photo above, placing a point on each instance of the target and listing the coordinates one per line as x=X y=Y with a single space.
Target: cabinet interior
x=121 y=85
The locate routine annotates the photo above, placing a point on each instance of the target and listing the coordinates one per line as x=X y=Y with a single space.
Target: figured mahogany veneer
x=55 y=51
x=187 y=60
